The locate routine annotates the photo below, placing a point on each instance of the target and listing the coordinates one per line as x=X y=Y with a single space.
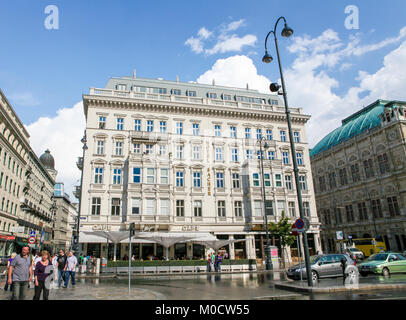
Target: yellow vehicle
x=370 y=246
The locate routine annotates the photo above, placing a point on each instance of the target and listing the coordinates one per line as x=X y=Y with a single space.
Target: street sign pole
x=129 y=265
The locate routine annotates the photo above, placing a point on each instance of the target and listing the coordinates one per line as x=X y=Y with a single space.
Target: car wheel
x=385 y=272
x=315 y=276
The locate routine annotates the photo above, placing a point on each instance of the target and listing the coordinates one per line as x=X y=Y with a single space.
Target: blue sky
x=330 y=71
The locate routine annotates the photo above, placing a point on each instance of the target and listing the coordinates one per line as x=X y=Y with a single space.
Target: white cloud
x=236 y=71
x=204 y=33
x=232 y=43
x=61 y=135
x=195 y=44
x=235 y=25
x=25 y=99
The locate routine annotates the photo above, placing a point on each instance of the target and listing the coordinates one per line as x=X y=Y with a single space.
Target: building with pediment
x=181 y=157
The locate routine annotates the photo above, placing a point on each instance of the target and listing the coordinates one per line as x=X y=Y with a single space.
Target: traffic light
x=132 y=229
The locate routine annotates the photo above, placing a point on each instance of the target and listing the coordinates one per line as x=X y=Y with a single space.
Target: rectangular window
x=100 y=147
x=292 y=209
x=162 y=150
x=332 y=180
x=234 y=155
x=115 y=206
x=368 y=168
x=281 y=207
x=120 y=123
x=98 y=175
x=116 y=176
x=383 y=163
x=212 y=95
x=247 y=133
x=176 y=92
x=283 y=135
x=233 y=132
x=179 y=178
x=362 y=211
x=196 y=153
x=227 y=97
x=238 y=208
x=288 y=182
x=191 y=93
x=150 y=207
x=221 y=208
x=197 y=179
x=164 y=210
x=302 y=182
x=259 y=153
x=149 y=149
x=136 y=206
x=271 y=155
x=268 y=134
x=96 y=205
x=376 y=208
x=296 y=137
x=102 y=122
x=137 y=148
x=393 y=206
x=267 y=179
x=355 y=173
x=164 y=176
x=255 y=180
x=217 y=130
x=259 y=134
x=180 y=208
x=197 y=208
x=322 y=184
x=150 y=175
x=249 y=154
x=196 y=130
x=343 y=176
x=278 y=180
x=257 y=208
x=219 y=153
x=179 y=151
x=269 y=208
x=236 y=180
x=179 y=128
x=136 y=175
x=285 y=156
x=220 y=180
x=119 y=148
x=350 y=213
x=299 y=158
x=137 y=125
x=162 y=126
x=150 y=125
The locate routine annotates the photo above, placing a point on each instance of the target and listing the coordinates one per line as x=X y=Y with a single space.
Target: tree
x=283 y=230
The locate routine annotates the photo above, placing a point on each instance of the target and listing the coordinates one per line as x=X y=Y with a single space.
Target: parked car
x=324 y=266
x=383 y=263
x=355 y=254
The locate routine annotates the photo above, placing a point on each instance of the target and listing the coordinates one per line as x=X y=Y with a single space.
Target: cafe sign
x=101 y=227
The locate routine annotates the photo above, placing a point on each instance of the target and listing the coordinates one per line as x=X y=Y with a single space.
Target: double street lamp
x=269 y=265
x=274 y=87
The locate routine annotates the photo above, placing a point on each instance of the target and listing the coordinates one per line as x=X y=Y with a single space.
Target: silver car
x=324 y=266
x=355 y=254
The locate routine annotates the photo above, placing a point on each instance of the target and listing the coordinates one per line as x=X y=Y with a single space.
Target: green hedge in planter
x=175 y=263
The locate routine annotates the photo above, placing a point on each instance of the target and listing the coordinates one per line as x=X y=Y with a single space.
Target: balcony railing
x=191 y=100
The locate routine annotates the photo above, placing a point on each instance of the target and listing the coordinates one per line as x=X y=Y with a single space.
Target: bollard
x=98 y=266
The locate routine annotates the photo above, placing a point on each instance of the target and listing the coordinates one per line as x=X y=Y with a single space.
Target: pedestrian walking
x=343 y=267
x=208 y=268
x=216 y=262
x=6 y=286
x=61 y=262
x=43 y=275
x=70 y=269
x=219 y=261
x=20 y=274
x=213 y=257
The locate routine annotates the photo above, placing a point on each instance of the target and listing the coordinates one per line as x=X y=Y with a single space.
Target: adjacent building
x=359 y=176
x=26 y=187
x=180 y=157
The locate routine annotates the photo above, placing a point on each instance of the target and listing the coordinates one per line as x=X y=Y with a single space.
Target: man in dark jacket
x=61 y=262
x=343 y=267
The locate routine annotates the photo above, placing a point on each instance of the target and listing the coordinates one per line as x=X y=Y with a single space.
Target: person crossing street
x=70 y=269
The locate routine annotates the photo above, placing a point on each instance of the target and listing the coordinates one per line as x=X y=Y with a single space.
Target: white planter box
x=245 y=267
x=188 y=269
x=236 y=268
x=149 y=269
x=200 y=268
x=162 y=269
x=137 y=269
x=176 y=269
x=225 y=268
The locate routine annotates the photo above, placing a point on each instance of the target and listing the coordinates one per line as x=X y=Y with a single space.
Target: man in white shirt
x=70 y=269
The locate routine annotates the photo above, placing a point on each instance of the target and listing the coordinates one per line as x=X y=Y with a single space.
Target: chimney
x=213 y=82
x=248 y=87
x=135 y=73
x=177 y=78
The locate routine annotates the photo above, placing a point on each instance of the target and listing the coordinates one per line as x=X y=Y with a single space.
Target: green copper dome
x=363 y=120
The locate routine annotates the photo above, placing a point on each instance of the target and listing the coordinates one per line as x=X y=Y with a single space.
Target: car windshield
x=378 y=257
x=314 y=259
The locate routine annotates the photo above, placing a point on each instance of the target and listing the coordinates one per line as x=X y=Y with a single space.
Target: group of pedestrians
x=214 y=262
x=40 y=269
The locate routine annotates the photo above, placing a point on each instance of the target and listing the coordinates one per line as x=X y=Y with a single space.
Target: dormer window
x=212 y=95
x=176 y=92
x=121 y=87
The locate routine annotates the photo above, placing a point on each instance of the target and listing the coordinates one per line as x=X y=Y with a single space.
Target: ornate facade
x=175 y=157
x=359 y=175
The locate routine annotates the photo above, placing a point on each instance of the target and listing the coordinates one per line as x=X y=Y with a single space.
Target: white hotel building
x=176 y=157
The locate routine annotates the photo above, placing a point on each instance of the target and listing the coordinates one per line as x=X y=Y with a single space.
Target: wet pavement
x=242 y=286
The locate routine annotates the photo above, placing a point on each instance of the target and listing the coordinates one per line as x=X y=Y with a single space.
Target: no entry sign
x=31 y=240
x=295 y=230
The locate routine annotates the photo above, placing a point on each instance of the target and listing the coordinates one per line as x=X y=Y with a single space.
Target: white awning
x=167 y=239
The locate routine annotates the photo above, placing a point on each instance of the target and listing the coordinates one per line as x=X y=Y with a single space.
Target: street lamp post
x=269 y=265
x=274 y=87
x=77 y=245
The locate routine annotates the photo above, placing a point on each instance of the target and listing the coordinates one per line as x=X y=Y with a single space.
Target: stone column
x=232 y=252
x=250 y=247
x=140 y=251
x=189 y=250
x=317 y=243
x=154 y=249
x=115 y=252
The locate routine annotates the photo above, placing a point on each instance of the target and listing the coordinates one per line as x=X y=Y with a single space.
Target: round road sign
x=294 y=230
x=31 y=240
x=299 y=223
